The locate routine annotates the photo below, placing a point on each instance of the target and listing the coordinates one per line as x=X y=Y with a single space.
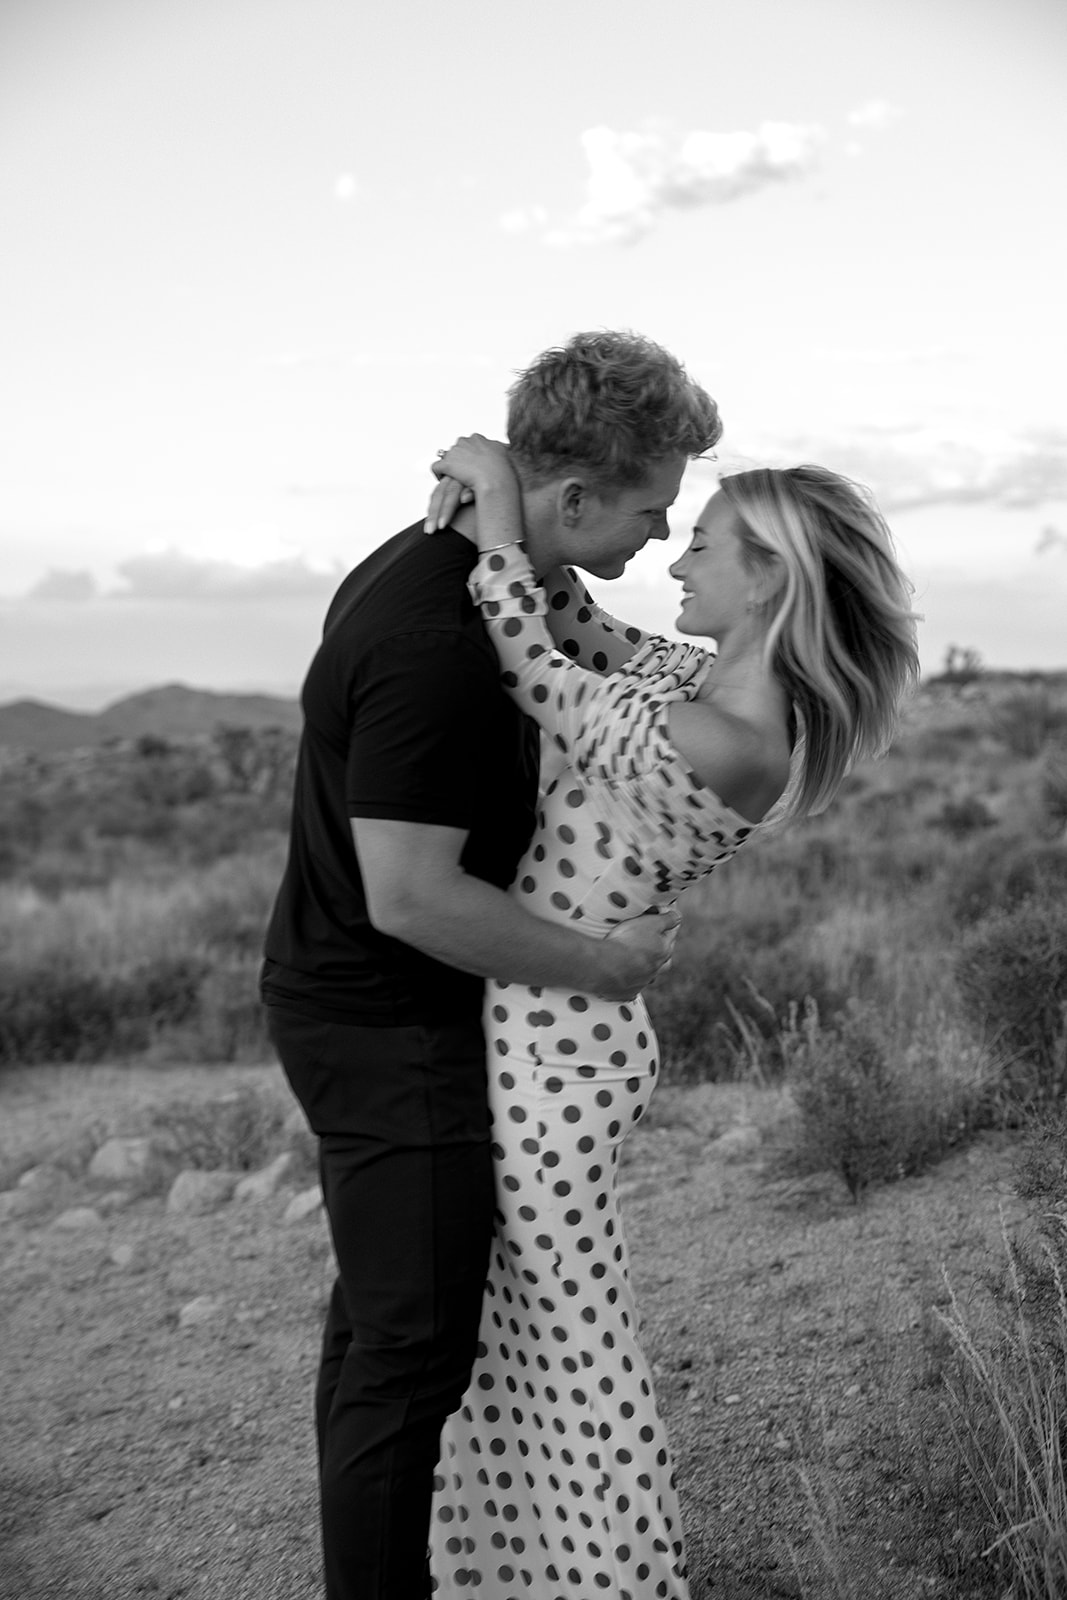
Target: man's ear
x=571 y=497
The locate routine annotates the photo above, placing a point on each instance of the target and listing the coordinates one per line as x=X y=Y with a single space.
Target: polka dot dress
x=555 y=1479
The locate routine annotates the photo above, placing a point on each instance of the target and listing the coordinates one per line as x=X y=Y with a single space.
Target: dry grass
x=1011 y=1425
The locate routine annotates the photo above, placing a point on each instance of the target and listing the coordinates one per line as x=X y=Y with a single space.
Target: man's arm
x=417 y=892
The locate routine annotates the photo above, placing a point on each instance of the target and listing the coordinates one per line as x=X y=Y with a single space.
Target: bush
x=1054 y=787
x=1011 y=972
x=54 y=1012
x=1001 y=879
x=1026 y=719
x=236 y=1133
x=872 y=1114
x=846 y=1098
x=230 y=1022
x=961 y=817
x=718 y=1006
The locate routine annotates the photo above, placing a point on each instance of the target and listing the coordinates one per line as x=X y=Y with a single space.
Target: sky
x=261 y=258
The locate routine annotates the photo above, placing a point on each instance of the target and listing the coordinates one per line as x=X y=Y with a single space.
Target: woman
x=555 y=1478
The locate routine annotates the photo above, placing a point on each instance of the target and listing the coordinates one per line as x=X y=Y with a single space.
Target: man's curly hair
x=612 y=404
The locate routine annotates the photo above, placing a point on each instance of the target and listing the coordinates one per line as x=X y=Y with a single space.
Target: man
x=415 y=797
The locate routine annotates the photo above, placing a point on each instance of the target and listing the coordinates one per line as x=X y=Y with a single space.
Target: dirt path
x=146 y=1457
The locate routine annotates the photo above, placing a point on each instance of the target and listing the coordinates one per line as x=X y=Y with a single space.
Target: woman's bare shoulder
x=745 y=762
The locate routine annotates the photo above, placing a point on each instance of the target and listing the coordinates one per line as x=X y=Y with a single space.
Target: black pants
x=404 y=1156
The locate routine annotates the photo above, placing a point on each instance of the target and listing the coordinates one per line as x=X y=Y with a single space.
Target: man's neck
x=542 y=560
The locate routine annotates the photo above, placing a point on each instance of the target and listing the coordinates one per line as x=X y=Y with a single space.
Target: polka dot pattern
x=627 y=824
x=555 y=1479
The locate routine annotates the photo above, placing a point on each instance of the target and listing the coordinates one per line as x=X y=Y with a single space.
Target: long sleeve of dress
x=583 y=630
x=597 y=721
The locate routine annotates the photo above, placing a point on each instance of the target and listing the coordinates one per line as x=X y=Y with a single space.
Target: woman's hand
x=445 y=501
x=479 y=468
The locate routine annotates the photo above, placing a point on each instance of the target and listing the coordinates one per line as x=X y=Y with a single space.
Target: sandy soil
x=788 y=1329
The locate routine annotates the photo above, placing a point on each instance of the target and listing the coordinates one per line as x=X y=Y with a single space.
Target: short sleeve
x=419 y=710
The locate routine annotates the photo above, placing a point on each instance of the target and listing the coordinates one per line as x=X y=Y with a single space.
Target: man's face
x=610 y=531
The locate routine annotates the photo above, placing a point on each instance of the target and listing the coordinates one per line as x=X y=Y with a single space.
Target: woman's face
x=716 y=585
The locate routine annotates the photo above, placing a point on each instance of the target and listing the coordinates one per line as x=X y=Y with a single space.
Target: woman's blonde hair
x=841 y=635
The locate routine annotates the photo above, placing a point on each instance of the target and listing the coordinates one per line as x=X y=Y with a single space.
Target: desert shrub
x=962 y=665
x=846 y=1099
x=163 y=775
x=1011 y=971
x=230 y=1023
x=233 y=900
x=237 y=1132
x=961 y=817
x=1001 y=878
x=1054 y=787
x=1025 y=720
x=950 y=742
x=719 y=999
x=872 y=1111
x=60 y=1013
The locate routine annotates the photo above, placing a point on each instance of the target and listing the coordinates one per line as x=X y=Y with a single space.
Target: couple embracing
x=501 y=793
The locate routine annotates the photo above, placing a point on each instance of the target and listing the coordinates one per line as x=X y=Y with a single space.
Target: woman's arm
x=582 y=629
x=480 y=468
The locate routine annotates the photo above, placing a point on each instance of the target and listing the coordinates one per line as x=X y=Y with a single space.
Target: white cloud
x=174 y=575
x=908 y=467
x=634 y=178
x=1051 y=539
x=521 y=219
x=874 y=114
x=64 y=584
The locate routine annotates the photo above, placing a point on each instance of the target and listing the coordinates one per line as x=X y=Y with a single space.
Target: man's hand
x=638 y=951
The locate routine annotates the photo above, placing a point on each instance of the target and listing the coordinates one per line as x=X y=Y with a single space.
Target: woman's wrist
x=499 y=513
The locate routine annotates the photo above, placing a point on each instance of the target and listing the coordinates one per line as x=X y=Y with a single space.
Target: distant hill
x=173 y=711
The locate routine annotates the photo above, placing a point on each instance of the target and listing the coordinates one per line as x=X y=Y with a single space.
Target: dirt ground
x=792 y=1334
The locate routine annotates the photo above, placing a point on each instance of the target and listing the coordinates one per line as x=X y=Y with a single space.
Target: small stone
x=33 y=1177
x=194 y=1193
x=113 y=1200
x=15 y=1203
x=853 y=1390
x=196 y=1312
x=303 y=1204
x=77 y=1217
x=262 y=1184
x=731 y=1400
x=121 y=1159
x=122 y=1255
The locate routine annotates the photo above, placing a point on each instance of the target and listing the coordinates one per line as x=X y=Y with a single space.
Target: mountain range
x=172 y=711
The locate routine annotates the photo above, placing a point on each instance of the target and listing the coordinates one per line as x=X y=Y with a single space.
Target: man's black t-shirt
x=404 y=719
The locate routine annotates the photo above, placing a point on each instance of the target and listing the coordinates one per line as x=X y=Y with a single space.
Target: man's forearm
x=481 y=929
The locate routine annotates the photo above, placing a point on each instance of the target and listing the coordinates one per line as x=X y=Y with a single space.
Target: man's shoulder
x=413 y=580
